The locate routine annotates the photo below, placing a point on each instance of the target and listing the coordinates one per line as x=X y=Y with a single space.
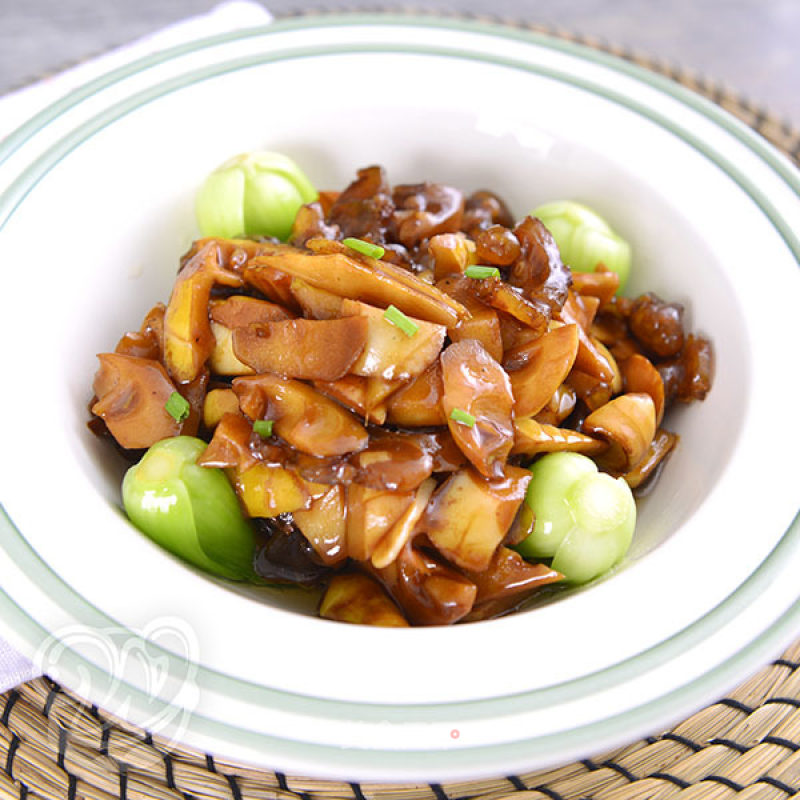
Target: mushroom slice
x=469 y=516
x=594 y=392
x=148 y=341
x=476 y=385
x=323 y=524
x=347 y=273
x=353 y=391
x=303 y=417
x=188 y=340
x=389 y=353
x=558 y=407
x=628 y=424
x=509 y=575
x=662 y=445
x=394 y=541
x=418 y=404
x=235 y=312
x=316 y=303
x=547 y=362
x=532 y=438
x=639 y=375
x=427 y=590
x=371 y=514
x=503 y=297
x=131 y=397
x=356 y=598
x=322 y=350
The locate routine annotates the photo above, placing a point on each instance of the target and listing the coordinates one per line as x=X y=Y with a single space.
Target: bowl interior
x=120 y=208
x=117 y=207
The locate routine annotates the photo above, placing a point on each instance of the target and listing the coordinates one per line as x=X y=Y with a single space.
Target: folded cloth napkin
x=17 y=107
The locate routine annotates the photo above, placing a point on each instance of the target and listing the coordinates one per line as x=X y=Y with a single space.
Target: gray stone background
x=750 y=46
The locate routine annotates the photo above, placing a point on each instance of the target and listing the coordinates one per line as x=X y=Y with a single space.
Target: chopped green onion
x=398 y=318
x=177 y=406
x=263 y=427
x=481 y=273
x=462 y=417
x=365 y=248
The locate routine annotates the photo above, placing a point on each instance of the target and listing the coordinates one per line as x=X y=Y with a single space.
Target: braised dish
x=376 y=388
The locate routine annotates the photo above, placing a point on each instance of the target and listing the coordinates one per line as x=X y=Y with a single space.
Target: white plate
x=95 y=211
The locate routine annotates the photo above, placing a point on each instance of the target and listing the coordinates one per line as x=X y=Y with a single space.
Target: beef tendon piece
x=363 y=210
x=423 y=210
x=132 y=394
x=469 y=516
x=539 y=270
x=427 y=590
x=419 y=403
x=358 y=599
x=510 y=575
x=657 y=325
x=148 y=341
x=477 y=386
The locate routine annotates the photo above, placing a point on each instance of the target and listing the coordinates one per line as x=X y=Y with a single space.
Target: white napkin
x=17 y=107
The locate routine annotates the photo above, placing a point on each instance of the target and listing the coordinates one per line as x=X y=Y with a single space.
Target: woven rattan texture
x=52 y=745
x=745 y=746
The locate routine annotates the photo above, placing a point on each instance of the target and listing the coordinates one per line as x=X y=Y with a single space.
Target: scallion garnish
x=462 y=417
x=263 y=427
x=365 y=248
x=177 y=406
x=481 y=273
x=398 y=318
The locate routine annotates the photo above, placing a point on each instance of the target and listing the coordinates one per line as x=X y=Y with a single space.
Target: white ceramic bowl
x=95 y=211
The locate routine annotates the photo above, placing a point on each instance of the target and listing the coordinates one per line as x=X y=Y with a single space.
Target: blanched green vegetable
x=584 y=518
x=190 y=510
x=255 y=193
x=585 y=239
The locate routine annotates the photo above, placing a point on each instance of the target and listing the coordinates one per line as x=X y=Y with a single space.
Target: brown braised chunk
x=393 y=474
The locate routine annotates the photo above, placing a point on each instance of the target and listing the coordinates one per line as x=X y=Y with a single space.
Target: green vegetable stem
x=253 y=194
x=190 y=510
x=584 y=518
x=585 y=239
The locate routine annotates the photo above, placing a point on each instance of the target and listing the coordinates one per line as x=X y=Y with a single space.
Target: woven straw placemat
x=746 y=745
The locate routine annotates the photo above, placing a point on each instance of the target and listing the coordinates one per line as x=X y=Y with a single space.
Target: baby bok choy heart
x=190 y=510
x=584 y=519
